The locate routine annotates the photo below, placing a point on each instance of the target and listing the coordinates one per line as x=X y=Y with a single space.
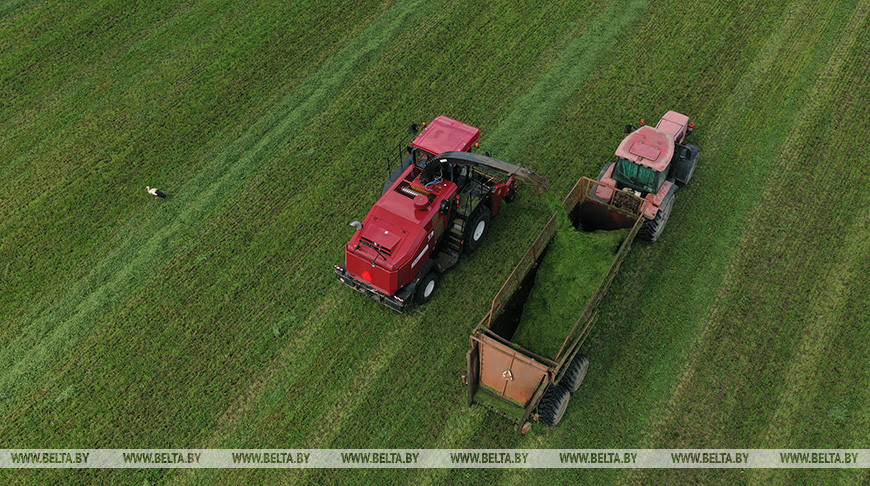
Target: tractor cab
x=643 y=159
x=651 y=164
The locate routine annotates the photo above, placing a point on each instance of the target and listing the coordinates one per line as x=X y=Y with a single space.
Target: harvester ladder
x=453 y=240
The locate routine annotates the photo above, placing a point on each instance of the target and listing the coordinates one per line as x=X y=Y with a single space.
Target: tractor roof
x=648 y=147
x=445 y=135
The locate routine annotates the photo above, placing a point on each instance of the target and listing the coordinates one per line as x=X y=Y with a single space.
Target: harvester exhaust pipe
x=357 y=225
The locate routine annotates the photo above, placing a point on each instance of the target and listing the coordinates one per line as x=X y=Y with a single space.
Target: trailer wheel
x=553 y=405
x=575 y=373
x=476 y=228
x=426 y=288
x=652 y=229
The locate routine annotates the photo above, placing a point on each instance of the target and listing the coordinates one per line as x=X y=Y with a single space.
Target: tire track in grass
x=536 y=109
x=806 y=373
x=823 y=326
x=788 y=156
x=728 y=121
x=285 y=368
x=57 y=329
x=343 y=403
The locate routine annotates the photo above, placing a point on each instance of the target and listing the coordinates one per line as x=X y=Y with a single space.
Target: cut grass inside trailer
x=568 y=276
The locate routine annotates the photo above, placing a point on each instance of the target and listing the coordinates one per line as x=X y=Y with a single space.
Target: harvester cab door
x=462 y=173
x=508 y=372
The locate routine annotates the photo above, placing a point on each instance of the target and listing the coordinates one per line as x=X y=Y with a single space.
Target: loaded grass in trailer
x=524 y=367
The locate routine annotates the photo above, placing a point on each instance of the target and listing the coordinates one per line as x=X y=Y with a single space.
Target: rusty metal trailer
x=517 y=383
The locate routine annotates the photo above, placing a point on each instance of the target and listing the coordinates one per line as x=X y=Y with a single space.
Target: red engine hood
x=402 y=235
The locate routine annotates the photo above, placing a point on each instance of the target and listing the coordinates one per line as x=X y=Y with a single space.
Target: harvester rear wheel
x=553 y=405
x=476 y=228
x=575 y=373
x=652 y=229
x=426 y=287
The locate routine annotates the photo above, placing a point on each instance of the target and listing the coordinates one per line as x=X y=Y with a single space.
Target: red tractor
x=651 y=163
x=435 y=205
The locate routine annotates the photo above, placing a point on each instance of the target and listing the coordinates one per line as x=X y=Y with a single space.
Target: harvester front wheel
x=476 y=228
x=553 y=405
x=426 y=288
x=575 y=373
x=652 y=229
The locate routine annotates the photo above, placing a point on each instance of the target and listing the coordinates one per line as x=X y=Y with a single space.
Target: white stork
x=155 y=192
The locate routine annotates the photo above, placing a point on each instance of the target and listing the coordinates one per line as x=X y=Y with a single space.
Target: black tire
x=426 y=287
x=652 y=229
x=575 y=373
x=553 y=405
x=604 y=171
x=397 y=172
x=600 y=175
x=476 y=228
x=685 y=167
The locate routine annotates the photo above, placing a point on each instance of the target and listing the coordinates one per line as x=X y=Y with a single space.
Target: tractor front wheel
x=652 y=229
x=553 y=405
x=685 y=166
x=476 y=227
x=426 y=288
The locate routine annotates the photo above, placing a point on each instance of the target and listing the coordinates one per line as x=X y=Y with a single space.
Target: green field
x=212 y=319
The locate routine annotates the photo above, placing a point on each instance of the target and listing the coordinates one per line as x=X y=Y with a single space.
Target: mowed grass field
x=212 y=319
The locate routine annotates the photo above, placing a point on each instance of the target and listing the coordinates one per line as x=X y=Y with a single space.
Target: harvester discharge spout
x=511 y=170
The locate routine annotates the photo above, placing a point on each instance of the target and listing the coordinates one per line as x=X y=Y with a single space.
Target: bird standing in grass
x=155 y=192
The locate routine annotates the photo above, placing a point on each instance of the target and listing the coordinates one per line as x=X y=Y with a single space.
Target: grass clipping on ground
x=570 y=273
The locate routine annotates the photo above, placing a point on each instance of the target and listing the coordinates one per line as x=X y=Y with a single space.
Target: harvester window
x=461 y=175
x=421 y=157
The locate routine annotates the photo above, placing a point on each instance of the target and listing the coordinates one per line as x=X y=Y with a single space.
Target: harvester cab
x=435 y=205
x=651 y=164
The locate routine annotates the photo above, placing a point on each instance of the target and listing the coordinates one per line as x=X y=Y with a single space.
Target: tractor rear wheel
x=426 y=287
x=652 y=229
x=553 y=405
x=476 y=228
x=603 y=171
x=575 y=373
x=592 y=190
